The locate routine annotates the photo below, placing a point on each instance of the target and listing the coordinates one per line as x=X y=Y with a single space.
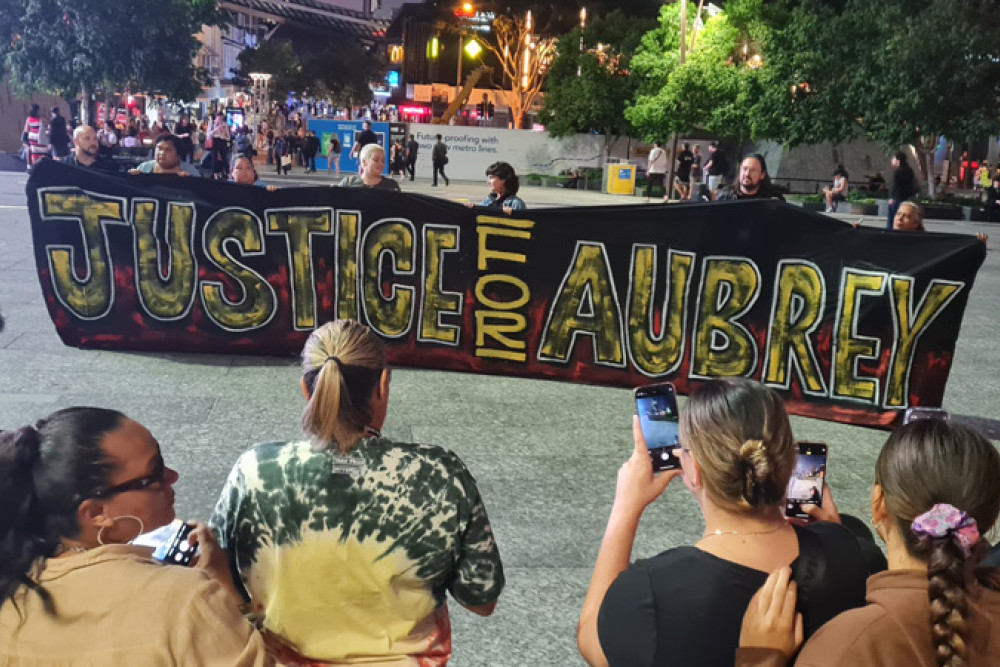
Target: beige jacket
x=115 y=607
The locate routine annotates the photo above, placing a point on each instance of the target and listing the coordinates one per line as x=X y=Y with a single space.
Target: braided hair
x=925 y=463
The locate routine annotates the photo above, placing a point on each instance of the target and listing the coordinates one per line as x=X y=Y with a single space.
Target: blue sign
x=347 y=132
x=392 y=78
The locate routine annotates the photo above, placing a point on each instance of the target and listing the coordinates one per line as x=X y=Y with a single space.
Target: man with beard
x=86 y=151
x=753 y=182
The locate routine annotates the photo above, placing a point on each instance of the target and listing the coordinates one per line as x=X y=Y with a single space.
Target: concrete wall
x=472 y=149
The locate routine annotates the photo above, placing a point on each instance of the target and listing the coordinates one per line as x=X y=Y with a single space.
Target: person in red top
x=34 y=137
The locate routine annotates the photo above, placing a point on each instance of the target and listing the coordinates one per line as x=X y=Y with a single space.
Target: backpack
x=335 y=144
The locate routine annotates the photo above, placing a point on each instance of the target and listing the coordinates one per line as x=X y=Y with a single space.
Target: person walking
x=685 y=160
x=716 y=167
x=696 y=173
x=902 y=187
x=58 y=136
x=34 y=137
x=439 y=158
x=412 y=148
x=310 y=146
x=656 y=170
x=333 y=149
x=282 y=159
x=220 y=147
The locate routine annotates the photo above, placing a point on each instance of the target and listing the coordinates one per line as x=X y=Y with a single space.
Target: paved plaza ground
x=545 y=453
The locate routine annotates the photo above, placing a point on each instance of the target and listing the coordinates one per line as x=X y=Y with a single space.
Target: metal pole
x=669 y=185
x=458 y=78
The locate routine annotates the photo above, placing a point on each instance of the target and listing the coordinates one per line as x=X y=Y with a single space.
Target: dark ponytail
x=922 y=465
x=46 y=471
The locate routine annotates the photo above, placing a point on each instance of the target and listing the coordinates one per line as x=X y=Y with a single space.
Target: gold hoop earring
x=142 y=528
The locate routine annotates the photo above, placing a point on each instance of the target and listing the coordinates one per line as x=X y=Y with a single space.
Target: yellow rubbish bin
x=621 y=179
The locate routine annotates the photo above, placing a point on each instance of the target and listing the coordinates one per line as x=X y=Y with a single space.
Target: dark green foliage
x=65 y=46
x=587 y=90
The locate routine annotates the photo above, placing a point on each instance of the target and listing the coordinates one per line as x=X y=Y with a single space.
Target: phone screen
x=806 y=484
x=916 y=414
x=656 y=406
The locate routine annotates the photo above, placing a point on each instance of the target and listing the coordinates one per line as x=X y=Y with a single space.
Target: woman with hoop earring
x=77 y=488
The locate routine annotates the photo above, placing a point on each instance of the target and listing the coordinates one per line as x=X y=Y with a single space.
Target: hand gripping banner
x=849 y=324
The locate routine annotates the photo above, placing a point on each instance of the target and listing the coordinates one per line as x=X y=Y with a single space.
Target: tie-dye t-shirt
x=347 y=557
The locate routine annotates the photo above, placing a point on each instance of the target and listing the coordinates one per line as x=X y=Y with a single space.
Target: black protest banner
x=850 y=324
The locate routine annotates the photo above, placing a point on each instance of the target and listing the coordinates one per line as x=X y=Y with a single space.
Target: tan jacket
x=892 y=629
x=115 y=607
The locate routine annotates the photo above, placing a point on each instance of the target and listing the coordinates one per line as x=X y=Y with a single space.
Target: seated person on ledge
x=838 y=191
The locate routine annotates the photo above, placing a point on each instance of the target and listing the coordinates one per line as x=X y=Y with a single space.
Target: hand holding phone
x=808 y=479
x=656 y=406
x=178 y=550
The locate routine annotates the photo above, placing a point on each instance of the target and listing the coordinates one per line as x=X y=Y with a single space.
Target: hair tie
x=944 y=520
x=336 y=361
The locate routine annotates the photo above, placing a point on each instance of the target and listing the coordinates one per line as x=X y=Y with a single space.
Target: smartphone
x=806 y=484
x=656 y=406
x=177 y=550
x=916 y=414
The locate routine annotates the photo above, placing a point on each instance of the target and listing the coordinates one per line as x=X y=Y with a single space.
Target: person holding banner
x=935 y=496
x=245 y=173
x=346 y=541
x=77 y=489
x=753 y=183
x=685 y=606
x=504 y=185
x=167 y=160
x=372 y=162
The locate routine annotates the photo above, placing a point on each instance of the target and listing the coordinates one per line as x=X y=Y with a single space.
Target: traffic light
x=481 y=110
x=489 y=110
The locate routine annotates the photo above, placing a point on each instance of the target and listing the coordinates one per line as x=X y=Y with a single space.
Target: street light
x=583 y=26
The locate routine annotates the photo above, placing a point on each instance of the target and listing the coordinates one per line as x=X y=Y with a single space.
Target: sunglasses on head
x=138 y=484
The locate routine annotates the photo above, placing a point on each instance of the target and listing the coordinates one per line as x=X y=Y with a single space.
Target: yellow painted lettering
x=298 y=228
x=910 y=326
x=722 y=346
x=795 y=314
x=89 y=297
x=164 y=295
x=848 y=347
x=585 y=304
x=389 y=315
x=347 y=264
x=652 y=354
x=257 y=301
x=436 y=302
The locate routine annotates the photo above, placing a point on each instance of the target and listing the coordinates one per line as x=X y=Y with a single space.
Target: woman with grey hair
x=372 y=159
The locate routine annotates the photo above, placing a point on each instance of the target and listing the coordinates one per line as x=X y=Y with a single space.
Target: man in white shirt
x=656 y=170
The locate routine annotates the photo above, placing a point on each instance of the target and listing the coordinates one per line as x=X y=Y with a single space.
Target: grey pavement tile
x=534 y=622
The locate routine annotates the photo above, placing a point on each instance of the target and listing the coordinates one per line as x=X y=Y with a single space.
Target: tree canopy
x=320 y=74
x=69 y=46
x=590 y=82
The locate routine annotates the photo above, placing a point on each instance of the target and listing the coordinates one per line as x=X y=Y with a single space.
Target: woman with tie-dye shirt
x=346 y=542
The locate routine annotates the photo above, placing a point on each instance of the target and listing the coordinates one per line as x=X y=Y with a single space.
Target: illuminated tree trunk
x=524 y=59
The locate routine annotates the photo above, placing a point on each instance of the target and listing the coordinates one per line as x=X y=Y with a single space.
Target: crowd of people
x=404 y=527
x=403 y=524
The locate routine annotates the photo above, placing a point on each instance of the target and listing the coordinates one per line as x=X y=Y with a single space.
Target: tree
x=935 y=73
x=72 y=47
x=321 y=75
x=714 y=88
x=524 y=58
x=590 y=82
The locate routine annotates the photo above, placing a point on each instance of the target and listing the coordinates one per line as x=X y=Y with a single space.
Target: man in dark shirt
x=412 y=147
x=86 y=152
x=365 y=137
x=753 y=183
x=993 y=199
x=902 y=187
x=681 y=180
x=439 y=158
x=310 y=147
x=716 y=167
x=58 y=135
